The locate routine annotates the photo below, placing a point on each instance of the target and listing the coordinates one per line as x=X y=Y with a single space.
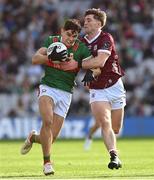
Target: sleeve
x=106 y=44
x=86 y=54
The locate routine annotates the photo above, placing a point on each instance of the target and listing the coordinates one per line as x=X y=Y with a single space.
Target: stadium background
x=24 y=25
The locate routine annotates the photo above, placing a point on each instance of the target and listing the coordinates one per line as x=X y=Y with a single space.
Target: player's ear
x=99 y=24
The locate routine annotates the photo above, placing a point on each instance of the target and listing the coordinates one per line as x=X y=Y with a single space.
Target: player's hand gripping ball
x=57 y=52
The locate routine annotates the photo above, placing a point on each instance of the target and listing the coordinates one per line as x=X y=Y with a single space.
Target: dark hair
x=98 y=14
x=73 y=24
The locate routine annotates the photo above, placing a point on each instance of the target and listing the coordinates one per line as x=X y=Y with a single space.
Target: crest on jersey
x=95 y=47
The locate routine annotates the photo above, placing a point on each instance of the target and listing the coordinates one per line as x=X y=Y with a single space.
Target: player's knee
x=97 y=126
x=54 y=139
x=116 y=131
x=105 y=125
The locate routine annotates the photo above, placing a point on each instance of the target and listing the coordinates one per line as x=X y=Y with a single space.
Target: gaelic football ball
x=60 y=47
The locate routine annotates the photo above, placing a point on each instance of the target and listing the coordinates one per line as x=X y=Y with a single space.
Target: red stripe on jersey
x=57 y=66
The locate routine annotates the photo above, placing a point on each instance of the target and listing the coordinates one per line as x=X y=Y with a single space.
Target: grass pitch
x=72 y=162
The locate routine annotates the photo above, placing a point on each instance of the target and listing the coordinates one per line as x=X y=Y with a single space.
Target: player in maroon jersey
x=107 y=93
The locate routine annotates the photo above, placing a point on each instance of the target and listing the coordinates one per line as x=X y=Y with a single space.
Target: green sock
x=46 y=159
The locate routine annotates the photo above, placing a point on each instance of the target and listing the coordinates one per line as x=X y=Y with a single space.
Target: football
x=60 y=47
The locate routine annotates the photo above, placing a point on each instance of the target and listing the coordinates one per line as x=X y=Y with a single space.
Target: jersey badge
x=95 y=47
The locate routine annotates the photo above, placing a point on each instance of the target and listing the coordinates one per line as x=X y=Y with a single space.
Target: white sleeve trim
x=106 y=51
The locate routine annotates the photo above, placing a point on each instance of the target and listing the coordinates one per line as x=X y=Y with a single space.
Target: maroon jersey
x=111 y=71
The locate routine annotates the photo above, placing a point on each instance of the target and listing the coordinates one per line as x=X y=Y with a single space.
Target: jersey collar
x=93 y=39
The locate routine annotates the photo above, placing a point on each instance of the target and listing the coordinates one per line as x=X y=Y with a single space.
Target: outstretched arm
x=95 y=62
x=40 y=57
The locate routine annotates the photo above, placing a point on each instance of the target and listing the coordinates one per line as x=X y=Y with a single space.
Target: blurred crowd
x=24 y=24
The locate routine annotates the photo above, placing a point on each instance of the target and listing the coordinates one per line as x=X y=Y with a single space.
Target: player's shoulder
x=106 y=35
x=81 y=43
x=81 y=47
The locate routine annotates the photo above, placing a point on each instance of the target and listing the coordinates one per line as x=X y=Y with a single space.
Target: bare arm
x=95 y=62
x=40 y=57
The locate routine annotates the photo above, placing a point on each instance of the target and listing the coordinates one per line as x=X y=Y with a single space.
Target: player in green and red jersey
x=56 y=89
x=64 y=80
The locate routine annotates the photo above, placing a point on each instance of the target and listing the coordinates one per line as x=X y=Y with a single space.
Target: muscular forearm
x=95 y=62
x=39 y=59
x=89 y=63
x=92 y=63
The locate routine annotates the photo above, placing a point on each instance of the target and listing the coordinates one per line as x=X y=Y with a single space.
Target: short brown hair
x=98 y=14
x=72 y=24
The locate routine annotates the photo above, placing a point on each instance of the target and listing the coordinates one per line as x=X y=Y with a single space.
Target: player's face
x=91 y=25
x=69 y=37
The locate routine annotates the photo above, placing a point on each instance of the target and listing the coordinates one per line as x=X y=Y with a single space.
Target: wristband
x=79 y=64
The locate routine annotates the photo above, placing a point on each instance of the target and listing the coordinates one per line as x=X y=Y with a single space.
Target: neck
x=91 y=35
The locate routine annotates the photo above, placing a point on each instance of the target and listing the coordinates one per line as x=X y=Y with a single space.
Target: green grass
x=72 y=162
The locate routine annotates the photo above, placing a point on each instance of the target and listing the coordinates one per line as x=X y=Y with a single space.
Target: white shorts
x=62 y=99
x=115 y=94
